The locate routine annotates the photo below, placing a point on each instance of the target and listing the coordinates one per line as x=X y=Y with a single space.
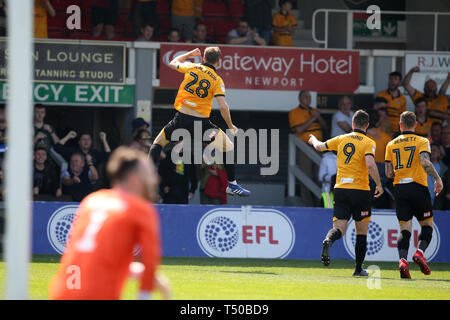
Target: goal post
x=18 y=168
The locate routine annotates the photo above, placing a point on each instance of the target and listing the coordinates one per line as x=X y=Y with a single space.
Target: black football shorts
x=192 y=125
x=412 y=200
x=352 y=203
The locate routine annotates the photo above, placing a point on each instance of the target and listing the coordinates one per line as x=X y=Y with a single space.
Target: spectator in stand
x=46 y=137
x=436 y=133
x=45 y=176
x=41 y=9
x=437 y=103
x=147 y=32
x=213 y=184
x=144 y=13
x=178 y=180
x=327 y=172
x=174 y=35
x=284 y=24
x=259 y=14
x=78 y=180
x=395 y=100
x=440 y=167
x=380 y=105
x=424 y=123
x=183 y=16
x=136 y=125
x=3 y=21
x=445 y=142
x=447 y=121
x=381 y=139
x=85 y=147
x=341 y=122
x=104 y=17
x=243 y=35
x=303 y=121
x=200 y=33
x=143 y=141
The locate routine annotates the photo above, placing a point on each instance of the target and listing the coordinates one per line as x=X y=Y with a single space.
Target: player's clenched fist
x=196 y=52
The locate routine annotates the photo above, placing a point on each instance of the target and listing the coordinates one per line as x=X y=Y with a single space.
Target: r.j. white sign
x=434 y=66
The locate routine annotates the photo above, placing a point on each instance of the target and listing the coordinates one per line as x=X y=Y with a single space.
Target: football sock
x=232 y=182
x=155 y=153
x=425 y=237
x=360 y=250
x=403 y=244
x=333 y=235
x=229 y=167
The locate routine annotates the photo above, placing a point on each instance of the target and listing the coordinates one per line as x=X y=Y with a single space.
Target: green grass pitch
x=258 y=279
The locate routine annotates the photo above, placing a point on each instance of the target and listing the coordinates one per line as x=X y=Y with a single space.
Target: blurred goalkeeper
x=107 y=228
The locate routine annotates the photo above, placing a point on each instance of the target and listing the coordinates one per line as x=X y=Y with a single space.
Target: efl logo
x=382 y=238
x=245 y=233
x=58 y=227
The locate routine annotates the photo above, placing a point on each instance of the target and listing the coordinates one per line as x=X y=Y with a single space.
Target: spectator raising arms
x=437 y=103
x=104 y=18
x=45 y=137
x=284 y=24
x=78 y=180
x=41 y=9
x=243 y=35
x=84 y=147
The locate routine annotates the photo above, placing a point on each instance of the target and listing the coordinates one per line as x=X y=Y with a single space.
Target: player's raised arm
x=431 y=171
x=181 y=58
x=373 y=172
x=318 y=145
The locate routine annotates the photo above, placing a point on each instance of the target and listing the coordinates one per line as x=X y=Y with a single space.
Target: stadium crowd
x=191 y=21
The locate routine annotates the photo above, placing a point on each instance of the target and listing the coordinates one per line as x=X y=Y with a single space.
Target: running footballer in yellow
x=352 y=196
x=407 y=160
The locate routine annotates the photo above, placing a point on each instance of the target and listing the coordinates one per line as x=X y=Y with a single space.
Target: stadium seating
x=218 y=19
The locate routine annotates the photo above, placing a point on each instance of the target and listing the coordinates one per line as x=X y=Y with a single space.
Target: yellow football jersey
x=352 y=148
x=200 y=86
x=404 y=154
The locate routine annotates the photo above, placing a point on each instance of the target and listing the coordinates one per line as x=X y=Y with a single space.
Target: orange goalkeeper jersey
x=108 y=226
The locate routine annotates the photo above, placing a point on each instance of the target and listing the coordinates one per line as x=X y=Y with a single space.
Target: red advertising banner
x=273 y=68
